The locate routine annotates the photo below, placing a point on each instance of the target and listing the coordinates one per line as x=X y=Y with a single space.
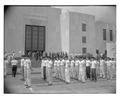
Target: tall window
x=111 y=35
x=104 y=34
x=83 y=39
x=83 y=27
x=84 y=50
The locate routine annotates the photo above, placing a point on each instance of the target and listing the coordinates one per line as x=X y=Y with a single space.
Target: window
x=111 y=35
x=83 y=27
x=83 y=39
x=84 y=50
x=104 y=34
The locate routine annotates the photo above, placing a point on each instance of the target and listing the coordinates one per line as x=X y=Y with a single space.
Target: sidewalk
x=39 y=86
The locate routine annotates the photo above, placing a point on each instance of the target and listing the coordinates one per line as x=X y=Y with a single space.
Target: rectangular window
x=84 y=50
x=111 y=35
x=104 y=34
x=83 y=39
x=83 y=27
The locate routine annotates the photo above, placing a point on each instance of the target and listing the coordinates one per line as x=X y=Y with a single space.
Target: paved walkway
x=16 y=85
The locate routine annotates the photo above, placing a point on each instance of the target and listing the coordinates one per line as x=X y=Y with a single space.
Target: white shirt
x=58 y=63
x=45 y=62
x=28 y=63
x=67 y=63
x=49 y=63
x=102 y=62
x=88 y=62
x=14 y=62
x=62 y=62
x=55 y=63
x=77 y=62
x=108 y=63
x=72 y=62
x=22 y=62
x=93 y=65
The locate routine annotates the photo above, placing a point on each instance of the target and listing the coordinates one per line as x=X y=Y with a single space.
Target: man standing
x=82 y=70
x=109 y=69
x=44 y=68
x=93 y=70
x=102 y=71
x=63 y=69
x=49 y=71
x=14 y=63
x=88 y=68
x=55 y=68
x=76 y=68
x=28 y=72
x=67 y=73
x=22 y=67
x=72 y=67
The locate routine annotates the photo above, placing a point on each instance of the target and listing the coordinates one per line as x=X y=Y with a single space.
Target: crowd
x=65 y=68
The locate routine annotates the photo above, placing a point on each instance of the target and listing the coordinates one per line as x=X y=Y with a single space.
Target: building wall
x=76 y=33
x=101 y=44
x=17 y=17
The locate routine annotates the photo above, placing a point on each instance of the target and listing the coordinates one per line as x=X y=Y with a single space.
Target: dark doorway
x=34 y=38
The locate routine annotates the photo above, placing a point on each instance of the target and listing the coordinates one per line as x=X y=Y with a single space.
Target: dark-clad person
x=14 y=63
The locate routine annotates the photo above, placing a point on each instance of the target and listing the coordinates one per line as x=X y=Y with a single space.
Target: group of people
x=79 y=68
x=66 y=68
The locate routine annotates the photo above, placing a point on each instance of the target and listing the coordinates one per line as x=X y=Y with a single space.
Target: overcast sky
x=102 y=13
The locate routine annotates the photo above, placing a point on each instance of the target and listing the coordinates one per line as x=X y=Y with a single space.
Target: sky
x=105 y=14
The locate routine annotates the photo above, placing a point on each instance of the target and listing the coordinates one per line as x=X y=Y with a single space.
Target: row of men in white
x=65 y=69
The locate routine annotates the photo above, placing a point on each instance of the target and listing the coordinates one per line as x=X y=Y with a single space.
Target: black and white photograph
x=59 y=49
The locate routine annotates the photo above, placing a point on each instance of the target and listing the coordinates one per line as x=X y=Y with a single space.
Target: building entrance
x=34 y=39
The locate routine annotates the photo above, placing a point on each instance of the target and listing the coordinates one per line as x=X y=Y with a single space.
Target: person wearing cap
x=28 y=69
x=67 y=73
x=14 y=63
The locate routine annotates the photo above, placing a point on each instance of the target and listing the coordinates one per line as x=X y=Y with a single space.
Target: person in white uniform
x=109 y=69
x=49 y=71
x=82 y=71
x=63 y=69
x=102 y=69
x=55 y=68
x=22 y=67
x=28 y=72
x=76 y=68
x=72 y=67
x=67 y=71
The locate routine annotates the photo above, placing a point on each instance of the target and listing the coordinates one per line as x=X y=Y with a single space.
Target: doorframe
x=37 y=38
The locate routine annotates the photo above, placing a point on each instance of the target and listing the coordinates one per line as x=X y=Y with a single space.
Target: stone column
x=64 y=22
